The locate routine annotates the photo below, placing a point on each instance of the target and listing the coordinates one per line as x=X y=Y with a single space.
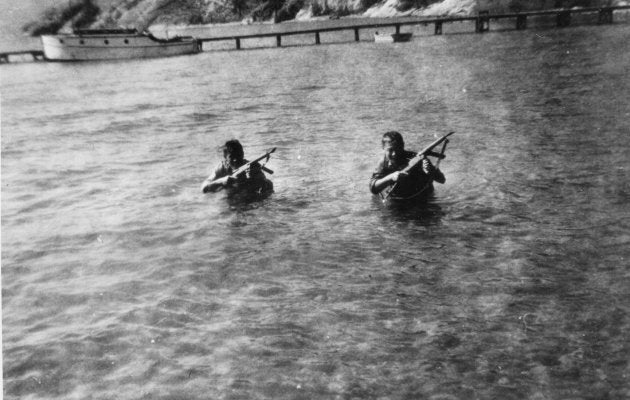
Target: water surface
x=120 y=280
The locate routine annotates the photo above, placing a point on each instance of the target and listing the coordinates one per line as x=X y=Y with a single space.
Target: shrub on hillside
x=81 y=12
x=289 y=10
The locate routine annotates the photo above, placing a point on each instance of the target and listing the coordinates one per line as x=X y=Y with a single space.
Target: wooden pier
x=481 y=24
x=34 y=55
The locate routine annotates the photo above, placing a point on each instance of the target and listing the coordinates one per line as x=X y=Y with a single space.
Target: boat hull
x=113 y=47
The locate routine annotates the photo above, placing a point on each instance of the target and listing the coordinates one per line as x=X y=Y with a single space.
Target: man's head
x=393 y=144
x=233 y=152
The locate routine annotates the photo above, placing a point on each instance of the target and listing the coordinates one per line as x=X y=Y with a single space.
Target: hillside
x=141 y=14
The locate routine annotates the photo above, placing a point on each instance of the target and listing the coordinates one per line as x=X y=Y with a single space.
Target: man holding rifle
x=237 y=174
x=404 y=175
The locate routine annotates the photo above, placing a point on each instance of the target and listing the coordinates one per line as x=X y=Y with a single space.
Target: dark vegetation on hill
x=80 y=12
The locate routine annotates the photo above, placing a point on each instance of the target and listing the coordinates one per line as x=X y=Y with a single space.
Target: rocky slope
x=142 y=13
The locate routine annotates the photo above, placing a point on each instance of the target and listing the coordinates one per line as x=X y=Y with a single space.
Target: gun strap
x=442 y=156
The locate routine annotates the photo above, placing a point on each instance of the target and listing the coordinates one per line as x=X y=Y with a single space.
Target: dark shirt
x=417 y=183
x=255 y=181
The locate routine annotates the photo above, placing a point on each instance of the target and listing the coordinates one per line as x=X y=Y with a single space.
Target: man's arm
x=380 y=179
x=214 y=185
x=432 y=171
x=377 y=185
x=217 y=181
x=438 y=176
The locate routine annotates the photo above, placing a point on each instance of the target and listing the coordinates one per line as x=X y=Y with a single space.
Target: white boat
x=391 y=37
x=111 y=44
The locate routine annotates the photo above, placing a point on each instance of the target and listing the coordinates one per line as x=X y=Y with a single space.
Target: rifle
x=427 y=151
x=245 y=166
x=211 y=186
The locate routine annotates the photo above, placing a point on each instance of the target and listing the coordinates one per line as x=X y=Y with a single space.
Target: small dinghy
x=391 y=37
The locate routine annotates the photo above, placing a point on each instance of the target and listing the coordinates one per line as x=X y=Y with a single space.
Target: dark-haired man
x=416 y=184
x=253 y=181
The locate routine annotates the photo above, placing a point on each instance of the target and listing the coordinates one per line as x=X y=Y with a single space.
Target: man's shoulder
x=381 y=164
x=221 y=170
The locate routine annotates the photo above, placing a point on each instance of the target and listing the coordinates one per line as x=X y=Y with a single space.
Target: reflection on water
x=424 y=212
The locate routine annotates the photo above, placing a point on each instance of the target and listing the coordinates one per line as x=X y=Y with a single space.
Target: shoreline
x=23 y=42
x=237 y=28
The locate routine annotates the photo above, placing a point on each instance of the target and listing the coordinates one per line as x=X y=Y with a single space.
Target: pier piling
x=605 y=16
x=482 y=23
x=563 y=19
x=438 y=27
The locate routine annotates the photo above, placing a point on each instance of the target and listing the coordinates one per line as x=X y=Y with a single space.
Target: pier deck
x=481 y=24
x=35 y=55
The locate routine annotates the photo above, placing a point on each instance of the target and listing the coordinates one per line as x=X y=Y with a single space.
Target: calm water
x=120 y=280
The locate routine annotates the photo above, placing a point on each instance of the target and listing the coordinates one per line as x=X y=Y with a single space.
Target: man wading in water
x=414 y=184
x=251 y=182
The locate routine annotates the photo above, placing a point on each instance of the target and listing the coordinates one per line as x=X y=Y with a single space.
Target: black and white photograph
x=315 y=199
